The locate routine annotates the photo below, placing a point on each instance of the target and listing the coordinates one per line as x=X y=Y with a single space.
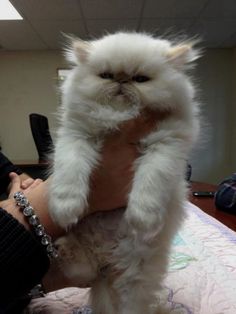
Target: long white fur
x=90 y=109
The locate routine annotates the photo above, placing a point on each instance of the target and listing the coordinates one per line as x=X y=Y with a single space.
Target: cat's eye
x=140 y=78
x=106 y=75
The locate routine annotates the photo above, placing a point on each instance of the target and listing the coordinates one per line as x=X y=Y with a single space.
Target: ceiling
x=44 y=20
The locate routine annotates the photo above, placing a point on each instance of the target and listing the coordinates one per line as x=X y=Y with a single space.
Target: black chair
x=41 y=135
x=188 y=172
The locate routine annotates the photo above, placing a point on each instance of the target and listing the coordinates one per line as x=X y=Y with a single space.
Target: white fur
x=92 y=106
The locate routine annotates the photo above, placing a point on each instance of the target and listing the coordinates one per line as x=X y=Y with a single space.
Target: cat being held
x=114 y=79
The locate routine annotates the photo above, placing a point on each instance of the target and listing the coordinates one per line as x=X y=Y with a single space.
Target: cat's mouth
x=123 y=94
x=120 y=98
x=119 y=92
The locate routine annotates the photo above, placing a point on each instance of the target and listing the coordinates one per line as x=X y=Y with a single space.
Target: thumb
x=15 y=184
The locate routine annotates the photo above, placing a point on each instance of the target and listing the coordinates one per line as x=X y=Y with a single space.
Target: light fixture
x=8 y=12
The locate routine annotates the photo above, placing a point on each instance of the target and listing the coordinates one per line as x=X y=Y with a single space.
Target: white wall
x=233 y=117
x=28 y=84
x=211 y=159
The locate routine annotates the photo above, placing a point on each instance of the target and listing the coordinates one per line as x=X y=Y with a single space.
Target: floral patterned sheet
x=201 y=277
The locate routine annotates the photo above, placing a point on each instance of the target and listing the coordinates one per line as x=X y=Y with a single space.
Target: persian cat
x=123 y=255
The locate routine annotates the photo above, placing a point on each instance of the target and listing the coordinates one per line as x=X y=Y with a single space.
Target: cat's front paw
x=143 y=223
x=66 y=214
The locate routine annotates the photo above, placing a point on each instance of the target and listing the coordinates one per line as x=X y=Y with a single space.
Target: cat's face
x=128 y=69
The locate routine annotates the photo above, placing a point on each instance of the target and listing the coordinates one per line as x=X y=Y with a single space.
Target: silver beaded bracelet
x=34 y=221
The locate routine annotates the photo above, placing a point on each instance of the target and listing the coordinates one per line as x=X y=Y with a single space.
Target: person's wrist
x=36 y=226
x=38 y=197
x=55 y=230
x=10 y=206
x=50 y=226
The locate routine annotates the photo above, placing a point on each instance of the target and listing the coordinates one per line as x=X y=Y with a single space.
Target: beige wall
x=28 y=84
x=212 y=160
x=233 y=118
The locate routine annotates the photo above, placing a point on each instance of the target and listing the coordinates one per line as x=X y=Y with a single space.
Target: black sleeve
x=23 y=261
x=6 y=167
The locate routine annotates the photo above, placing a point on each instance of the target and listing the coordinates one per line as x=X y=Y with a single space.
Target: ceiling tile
x=18 y=35
x=220 y=9
x=173 y=8
x=169 y=27
x=213 y=32
x=107 y=9
x=48 y=9
x=97 y=28
x=214 y=20
x=50 y=31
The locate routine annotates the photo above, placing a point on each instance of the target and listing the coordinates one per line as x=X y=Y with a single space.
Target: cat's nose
x=122 y=78
x=123 y=81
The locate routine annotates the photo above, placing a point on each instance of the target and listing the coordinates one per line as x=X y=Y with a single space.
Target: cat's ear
x=182 y=54
x=77 y=50
x=81 y=49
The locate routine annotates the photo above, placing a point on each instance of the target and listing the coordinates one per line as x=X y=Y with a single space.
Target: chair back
x=41 y=135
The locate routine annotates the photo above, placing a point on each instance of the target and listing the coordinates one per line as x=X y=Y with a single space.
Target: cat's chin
x=120 y=102
x=121 y=98
x=123 y=101
x=117 y=113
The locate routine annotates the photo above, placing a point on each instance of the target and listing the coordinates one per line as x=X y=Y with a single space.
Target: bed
x=201 y=278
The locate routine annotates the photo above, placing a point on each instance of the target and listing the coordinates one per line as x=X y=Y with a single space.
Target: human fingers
x=26 y=183
x=135 y=129
x=111 y=181
x=33 y=184
x=15 y=184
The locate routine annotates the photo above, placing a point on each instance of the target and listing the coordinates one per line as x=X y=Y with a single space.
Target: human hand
x=111 y=181
x=18 y=183
x=21 y=182
x=36 y=192
x=26 y=181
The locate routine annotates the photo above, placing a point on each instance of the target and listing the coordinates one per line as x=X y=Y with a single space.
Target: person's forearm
x=38 y=199
x=24 y=261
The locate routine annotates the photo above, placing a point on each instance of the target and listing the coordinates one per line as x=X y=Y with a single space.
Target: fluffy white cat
x=123 y=255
